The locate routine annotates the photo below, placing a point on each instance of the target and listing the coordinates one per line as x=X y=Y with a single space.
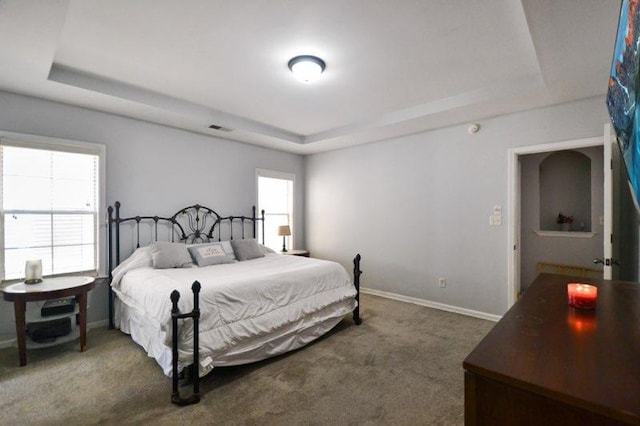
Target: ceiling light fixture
x=307 y=68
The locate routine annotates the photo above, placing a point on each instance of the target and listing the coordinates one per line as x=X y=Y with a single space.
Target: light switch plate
x=495 y=220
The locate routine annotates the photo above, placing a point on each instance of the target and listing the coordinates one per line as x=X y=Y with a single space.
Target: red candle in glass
x=582 y=296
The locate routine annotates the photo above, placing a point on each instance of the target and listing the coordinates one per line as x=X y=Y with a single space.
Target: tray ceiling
x=393 y=67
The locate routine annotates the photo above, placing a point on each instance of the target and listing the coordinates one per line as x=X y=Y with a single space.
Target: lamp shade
x=283 y=231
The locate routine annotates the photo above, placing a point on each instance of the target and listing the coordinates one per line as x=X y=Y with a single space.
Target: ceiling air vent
x=222 y=129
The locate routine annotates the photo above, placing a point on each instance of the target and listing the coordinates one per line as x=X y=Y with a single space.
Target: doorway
x=562 y=213
x=515 y=231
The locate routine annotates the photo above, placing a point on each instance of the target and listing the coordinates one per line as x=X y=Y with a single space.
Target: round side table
x=48 y=289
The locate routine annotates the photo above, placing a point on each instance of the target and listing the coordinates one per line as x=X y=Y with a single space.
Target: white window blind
x=275 y=197
x=49 y=210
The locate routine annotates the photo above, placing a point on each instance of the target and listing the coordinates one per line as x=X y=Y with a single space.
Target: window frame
x=20 y=140
x=273 y=174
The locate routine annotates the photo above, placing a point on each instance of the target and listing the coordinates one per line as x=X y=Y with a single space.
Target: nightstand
x=303 y=253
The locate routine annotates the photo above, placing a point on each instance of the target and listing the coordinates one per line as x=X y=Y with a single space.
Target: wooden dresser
x=546 y=363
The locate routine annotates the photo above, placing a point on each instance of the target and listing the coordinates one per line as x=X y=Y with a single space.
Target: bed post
x=356 y=282
x=195 y=374
x=110 y=264
x=117 y=232
x=253 y=220
x=115 y=221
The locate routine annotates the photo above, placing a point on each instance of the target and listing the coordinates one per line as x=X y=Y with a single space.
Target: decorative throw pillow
x=246 y=249
x=167 y=255
x=212 y=253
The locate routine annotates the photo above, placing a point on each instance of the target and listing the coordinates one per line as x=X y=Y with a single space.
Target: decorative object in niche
x=564 y=222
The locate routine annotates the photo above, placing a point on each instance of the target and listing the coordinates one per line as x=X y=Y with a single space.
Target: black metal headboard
x=191 y=224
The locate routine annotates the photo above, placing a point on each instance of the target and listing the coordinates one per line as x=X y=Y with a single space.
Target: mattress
x=250 y=310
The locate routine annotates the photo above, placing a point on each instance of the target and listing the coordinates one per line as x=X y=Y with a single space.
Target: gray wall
x=562 y=250
x=417 y=207
x=153 y=169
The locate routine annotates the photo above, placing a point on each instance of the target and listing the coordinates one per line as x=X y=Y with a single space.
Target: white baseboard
x=430 y=304
x=90 y=325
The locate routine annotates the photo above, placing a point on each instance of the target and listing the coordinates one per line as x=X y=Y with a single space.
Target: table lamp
x=284 y=232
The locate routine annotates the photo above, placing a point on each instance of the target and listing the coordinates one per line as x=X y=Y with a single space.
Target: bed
x=249 y=303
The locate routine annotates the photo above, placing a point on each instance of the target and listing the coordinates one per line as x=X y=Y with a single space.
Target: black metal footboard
x=194 y=370
x=356 y=282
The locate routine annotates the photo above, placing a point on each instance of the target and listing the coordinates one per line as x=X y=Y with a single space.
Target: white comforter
x=242 y=303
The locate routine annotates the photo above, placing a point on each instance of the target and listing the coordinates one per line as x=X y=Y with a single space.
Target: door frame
x=513 y=203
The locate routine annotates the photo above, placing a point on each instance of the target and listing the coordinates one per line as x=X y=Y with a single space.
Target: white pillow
x=139 y=259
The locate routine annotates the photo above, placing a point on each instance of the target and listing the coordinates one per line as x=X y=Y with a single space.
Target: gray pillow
x=246 y=249
x=167 y=255
x=212 y=253
x=267 y=250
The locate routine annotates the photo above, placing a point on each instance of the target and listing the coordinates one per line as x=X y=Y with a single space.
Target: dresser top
x=590 y=359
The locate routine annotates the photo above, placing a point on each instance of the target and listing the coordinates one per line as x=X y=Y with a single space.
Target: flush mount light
x=306 y=68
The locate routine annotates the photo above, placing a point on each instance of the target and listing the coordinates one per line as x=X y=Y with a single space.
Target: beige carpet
x=402 y=366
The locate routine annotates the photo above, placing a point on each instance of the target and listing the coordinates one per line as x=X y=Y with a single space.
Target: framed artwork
x=623 y=92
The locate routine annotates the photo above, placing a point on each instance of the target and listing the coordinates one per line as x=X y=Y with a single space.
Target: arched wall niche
x=565 y=192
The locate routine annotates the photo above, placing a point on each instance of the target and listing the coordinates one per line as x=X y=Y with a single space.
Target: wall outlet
x=442 y=283
x=495 y=220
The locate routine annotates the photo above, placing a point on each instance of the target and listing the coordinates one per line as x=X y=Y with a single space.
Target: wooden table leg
x=19 y=307
x=82 y=299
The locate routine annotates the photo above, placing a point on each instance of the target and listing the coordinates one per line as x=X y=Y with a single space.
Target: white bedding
x=251 y=309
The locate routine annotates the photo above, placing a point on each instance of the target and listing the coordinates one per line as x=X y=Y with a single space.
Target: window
x=49 y=208
x=275 y=197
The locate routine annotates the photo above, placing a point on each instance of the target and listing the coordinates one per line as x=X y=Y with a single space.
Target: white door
x=611 y=221
x=609 y=140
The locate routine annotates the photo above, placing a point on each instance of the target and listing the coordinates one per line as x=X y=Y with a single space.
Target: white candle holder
x=33 y=271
